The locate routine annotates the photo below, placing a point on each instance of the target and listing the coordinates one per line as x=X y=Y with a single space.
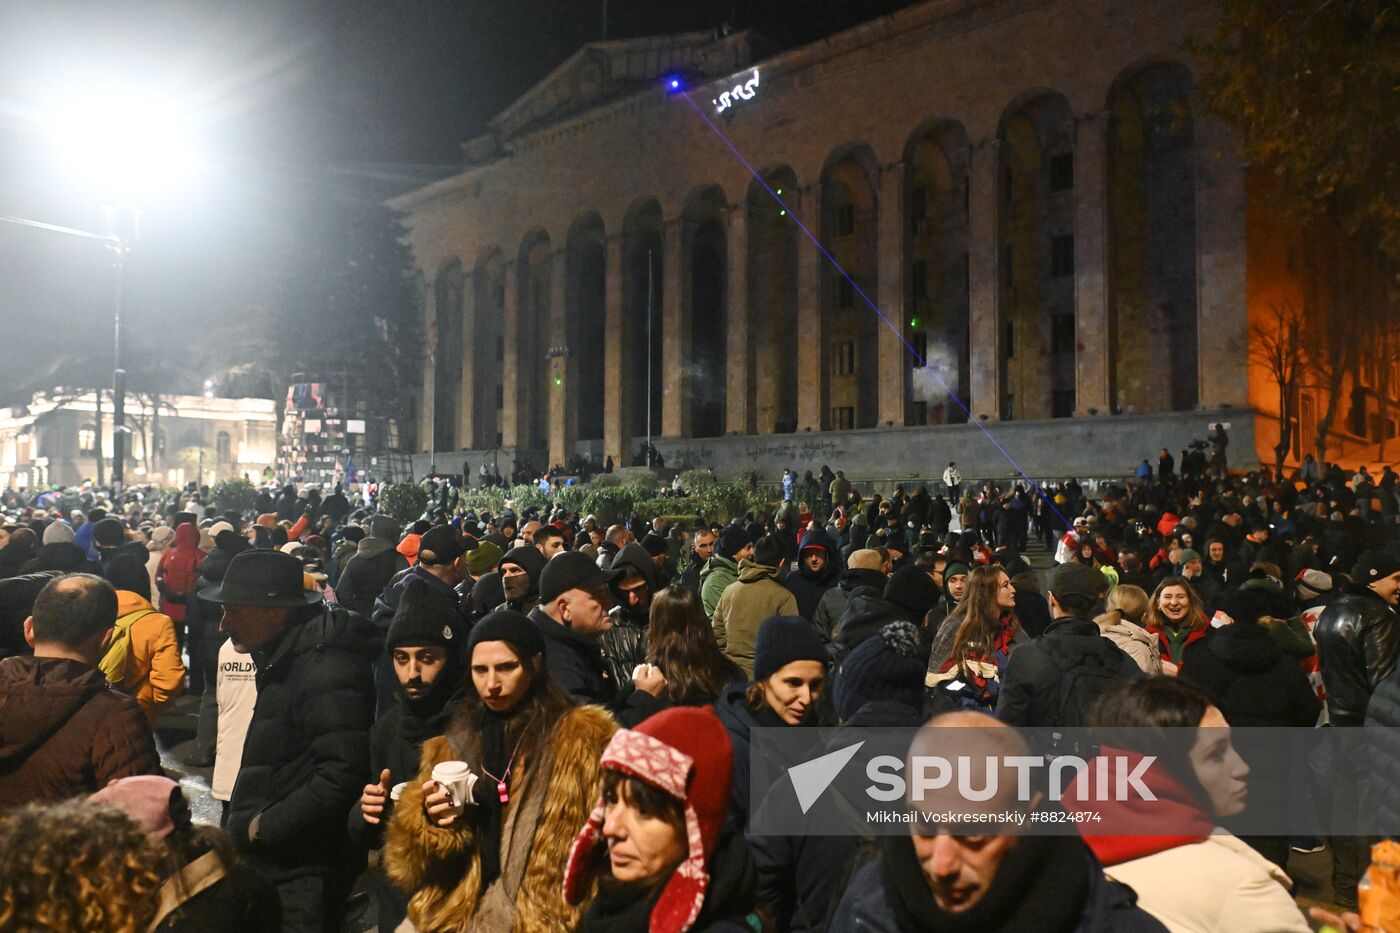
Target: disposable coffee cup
x=457 y=778
x=397 y=790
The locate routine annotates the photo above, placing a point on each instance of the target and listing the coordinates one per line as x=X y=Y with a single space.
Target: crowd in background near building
x=602 y=684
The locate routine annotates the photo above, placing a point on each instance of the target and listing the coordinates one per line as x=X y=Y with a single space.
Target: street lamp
x=124 y=145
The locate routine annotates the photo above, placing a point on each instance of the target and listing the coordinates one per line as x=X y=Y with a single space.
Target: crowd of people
x=539 y=721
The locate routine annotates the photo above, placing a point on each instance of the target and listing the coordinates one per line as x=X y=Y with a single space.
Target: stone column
x=738 y=370
x=512 y=431
x=984 y=267
x=466 y=392
x=428 y=400
x=1091 y=296
x=894 y=357
x=615 y=365
x=675 y=342
x=562 y=393
x=812 y=364
x=1222 y=323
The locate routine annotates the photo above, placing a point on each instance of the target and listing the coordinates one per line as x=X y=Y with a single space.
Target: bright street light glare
x=125 y=146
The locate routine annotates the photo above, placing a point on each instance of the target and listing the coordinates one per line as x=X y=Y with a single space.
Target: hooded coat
x=715 y=578
x=1250 y=678
x=807 y=587
x=742 y=608
x=17 y=595
x=372 y=568
x=155 y=675
x=307 y=749
x=625 y=643
x=550 y=798
x=63 y=732
x=177 y=575
x=833 y=603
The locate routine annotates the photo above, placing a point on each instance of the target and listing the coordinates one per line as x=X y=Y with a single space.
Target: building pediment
x=605 y=71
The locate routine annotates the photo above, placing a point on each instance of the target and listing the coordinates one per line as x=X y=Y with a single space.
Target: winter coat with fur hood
x=550 y=798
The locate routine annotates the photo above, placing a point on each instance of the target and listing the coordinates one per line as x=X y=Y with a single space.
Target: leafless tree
x=1277 y=345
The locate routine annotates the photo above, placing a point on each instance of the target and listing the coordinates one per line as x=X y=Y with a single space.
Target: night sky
x=300 y=103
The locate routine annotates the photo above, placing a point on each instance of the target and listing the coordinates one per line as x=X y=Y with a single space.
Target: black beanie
x=511 y=627
x=424 y=617
x=782 y=640
x=655 y=545
x=912 y=589
x=732 y=540
x=887 y=667
x=768 y=552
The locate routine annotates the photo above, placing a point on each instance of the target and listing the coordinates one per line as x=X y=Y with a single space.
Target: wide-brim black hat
x=262 y=578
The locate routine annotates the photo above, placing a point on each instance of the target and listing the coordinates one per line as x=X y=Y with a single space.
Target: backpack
x=1082 y=686
x=118 y=657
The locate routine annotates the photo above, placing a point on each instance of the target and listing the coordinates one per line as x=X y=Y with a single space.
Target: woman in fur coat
x=497 y=864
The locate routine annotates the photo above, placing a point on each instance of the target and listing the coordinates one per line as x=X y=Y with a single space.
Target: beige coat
x=1134 y=640
x=1220 y=885
x=742 y=608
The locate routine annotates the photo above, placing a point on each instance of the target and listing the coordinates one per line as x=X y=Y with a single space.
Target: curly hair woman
x=77 y=866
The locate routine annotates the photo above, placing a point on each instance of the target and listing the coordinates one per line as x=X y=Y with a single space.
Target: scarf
x=1041 y=886
x=500 y=733
x=1134 y=828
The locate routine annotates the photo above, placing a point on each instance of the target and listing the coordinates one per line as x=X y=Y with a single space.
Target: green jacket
x=718 y=573
x=743 y=607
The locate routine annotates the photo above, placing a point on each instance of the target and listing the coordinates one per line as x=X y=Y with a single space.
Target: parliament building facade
x=1031 y=193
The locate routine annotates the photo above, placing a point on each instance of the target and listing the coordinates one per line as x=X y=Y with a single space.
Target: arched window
x=223 y=446
x=87 y=441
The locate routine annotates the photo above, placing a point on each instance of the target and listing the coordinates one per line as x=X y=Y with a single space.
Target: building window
x=845 y=220
x=843 y=357
x=1062 y=172
x=1010 y=340
x=843 y=419
x=87 y=441
x=1061 y=256
x=1006 y=266
x=919 y=339
x=845 y=293
x=1356 y=417
x=918 y=208
x=500 y=396
x=918 y=280
x=918 y=412
x=223 y=446
x=1062 y=333
x=1062 y=403
x=500 y=349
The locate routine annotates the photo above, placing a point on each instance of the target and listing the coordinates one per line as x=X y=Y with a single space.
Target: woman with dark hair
x=656 y=842
x=974 y=643
x=1187 y=871
x=789 y=674
x=682 y=643
x=491 y=857
x=1177 y=617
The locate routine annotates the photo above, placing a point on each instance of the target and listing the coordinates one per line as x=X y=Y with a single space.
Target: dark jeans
x=314 y=903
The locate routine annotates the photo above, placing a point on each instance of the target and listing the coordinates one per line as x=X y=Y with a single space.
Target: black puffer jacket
x=1383 y=758
x=866 y=613
x=625 y=644
x=1249 y=678
x=307 y=750
x=832 y=605
x=1357 y=636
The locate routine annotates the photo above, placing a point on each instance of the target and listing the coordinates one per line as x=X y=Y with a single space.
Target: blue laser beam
x=972 y=419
